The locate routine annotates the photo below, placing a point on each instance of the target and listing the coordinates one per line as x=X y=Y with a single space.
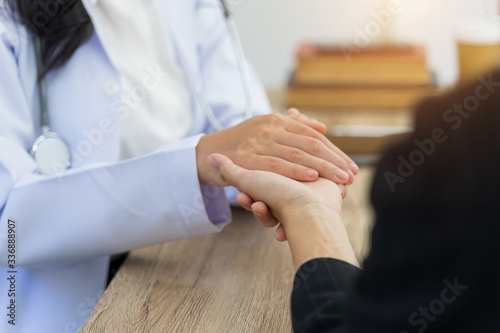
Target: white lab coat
x=67 y=225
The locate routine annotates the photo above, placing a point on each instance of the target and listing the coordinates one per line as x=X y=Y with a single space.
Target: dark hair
x=62 y=25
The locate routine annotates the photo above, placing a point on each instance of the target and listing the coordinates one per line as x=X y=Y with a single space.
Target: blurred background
x=271 y=31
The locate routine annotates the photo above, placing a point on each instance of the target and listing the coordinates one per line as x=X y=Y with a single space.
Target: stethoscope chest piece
x=51 y=154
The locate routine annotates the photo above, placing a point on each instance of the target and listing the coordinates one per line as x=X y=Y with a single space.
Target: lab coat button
x=111 y=87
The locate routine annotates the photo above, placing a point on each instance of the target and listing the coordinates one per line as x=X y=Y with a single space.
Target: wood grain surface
x=236 y=281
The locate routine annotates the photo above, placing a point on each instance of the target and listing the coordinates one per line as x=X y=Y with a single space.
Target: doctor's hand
x=309 y=212
x=260 y=209
x=278 y=144
x=295 y=114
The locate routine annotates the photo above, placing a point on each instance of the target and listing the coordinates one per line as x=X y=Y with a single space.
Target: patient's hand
x=322 y=191
x=310 y=212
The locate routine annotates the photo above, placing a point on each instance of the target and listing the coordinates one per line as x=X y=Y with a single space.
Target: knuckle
x=276 y=117
x=295 y=156
x=247 y=146
x=315 y=146
x=325 y=167
x=276 y=120
x=264 y=134
x=342 y=164
x=275 y=164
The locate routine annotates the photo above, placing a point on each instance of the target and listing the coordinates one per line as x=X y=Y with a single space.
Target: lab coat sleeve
x=96 y=209
x=221 y=75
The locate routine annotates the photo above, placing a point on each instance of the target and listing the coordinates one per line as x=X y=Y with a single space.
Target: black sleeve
x=319 y=295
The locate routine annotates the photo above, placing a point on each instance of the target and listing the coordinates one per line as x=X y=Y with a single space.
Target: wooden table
x=236 y=281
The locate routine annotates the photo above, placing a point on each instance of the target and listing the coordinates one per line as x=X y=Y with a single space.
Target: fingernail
x=354 y=168
x=312 y=173
x=292 y=111
x=341 y=174
x=212 y=161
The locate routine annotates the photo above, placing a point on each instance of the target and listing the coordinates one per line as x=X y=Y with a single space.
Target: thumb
x=228 y=171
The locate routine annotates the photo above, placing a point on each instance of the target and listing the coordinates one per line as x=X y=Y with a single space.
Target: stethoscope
x=51 y=152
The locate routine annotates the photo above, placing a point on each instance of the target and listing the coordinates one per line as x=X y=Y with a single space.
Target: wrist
x=200 y=160
x=317 y=234
x=313 y=211
x=207 y=175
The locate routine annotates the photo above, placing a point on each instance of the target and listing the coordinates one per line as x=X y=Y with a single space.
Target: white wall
x=271 y=30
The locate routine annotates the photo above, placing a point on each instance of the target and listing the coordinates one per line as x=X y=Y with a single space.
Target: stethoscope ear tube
x=42 y=86
x=243 y=67
x=245 y=73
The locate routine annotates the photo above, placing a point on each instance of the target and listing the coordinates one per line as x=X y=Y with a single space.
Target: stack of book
x=382 y=77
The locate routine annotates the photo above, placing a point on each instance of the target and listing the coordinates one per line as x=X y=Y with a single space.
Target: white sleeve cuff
x=202 y=209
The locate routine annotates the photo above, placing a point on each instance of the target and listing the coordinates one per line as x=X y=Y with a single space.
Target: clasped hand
x=292 y=146
x=289 y=175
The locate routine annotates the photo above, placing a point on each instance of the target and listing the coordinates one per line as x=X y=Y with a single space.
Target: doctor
x=126 y=90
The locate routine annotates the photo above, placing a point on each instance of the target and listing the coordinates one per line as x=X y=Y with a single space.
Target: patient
x=435 y=245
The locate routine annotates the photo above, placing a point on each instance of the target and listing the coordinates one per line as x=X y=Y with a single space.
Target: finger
x=285 y=168
x=263 y=214
x=280 y=234
x=245 y=201
x=301 y=118
x=343 y=190
x=258 y=185
x=298 y=128
x=354 y=167
x=292 y=112
x=314 y=124
x=309 y=132
x=352 y=177
x=230 y=173
x=325 y=168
